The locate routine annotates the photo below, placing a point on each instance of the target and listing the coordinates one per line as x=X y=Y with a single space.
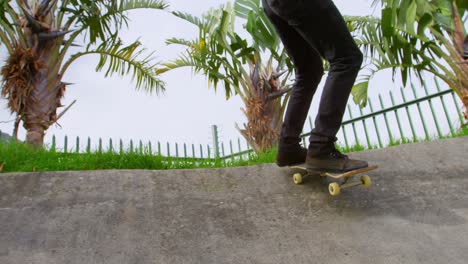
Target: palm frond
x=102 y=19
x=11 y=33
x=184 y=60
x=179 y=41
x=360 y=89
x=5 y=40
x=199 y=22
x=258 y=25
x=397 y=46
x=123 y=60
x=245 y=7
x=145 y=4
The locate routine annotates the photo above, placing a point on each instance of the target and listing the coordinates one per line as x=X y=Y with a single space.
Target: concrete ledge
x=416 y=212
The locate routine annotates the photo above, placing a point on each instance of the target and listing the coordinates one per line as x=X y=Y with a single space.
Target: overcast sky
x=112 y=108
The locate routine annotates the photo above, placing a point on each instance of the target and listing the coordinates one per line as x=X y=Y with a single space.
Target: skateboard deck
x=334 y=188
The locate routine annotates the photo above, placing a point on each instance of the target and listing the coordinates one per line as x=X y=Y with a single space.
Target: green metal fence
x=133 y=147
x=413 y=119
x=398 y=118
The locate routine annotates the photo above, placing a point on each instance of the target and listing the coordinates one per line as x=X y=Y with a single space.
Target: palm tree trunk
x=33 y=89
x=464 y=92
x=458 y=36
x=41 y=112
x=16 y=127
x=465 y=103
x=31 y=80
x=461 y=83
x=44 y=99
x=263 y=109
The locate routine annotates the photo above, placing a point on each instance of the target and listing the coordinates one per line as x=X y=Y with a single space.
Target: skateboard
x=335 y=187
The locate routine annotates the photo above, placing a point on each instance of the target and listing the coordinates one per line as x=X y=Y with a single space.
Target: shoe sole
x=331 y=170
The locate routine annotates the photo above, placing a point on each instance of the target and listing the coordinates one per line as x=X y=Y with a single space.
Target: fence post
x=460 y=115
x=345 y=137
x=415 y=138
x=449 y=120
x=100 y=145
x=88 y=145
x=54 y=144
x=374 y=119
x=240 y=147
x=365 y=129
x=402 y=135
x=111 y=146
x=439 y=132
x=311 y=124
x=354 y=126
x=77 y=145
x=421 y=115
x=386 y=119
x=214 y=130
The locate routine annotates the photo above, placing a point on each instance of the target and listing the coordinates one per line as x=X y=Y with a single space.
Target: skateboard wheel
x=297 y=178
x=334 y=188
x=366 y=181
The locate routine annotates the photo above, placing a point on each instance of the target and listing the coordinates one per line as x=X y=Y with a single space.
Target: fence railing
x=139 y=147
x=405 y=118
x=410 y=120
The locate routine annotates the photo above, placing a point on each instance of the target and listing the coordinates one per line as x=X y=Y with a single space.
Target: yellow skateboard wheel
x=334 y=188
x=297 y=178
x=366 y=181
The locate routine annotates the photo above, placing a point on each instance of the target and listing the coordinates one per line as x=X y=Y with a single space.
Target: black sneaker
x=291 y=156
x=334 y=161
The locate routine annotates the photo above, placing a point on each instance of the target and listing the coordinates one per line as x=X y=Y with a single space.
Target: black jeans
x=311 y=30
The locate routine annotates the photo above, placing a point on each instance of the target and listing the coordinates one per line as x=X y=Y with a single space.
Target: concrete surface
x=416 y=212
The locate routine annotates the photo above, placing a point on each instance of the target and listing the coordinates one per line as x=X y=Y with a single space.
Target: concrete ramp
x=416 y=212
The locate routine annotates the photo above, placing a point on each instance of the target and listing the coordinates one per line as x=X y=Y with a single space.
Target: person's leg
x=327 y=31
x=320 y=23
x=309 y=71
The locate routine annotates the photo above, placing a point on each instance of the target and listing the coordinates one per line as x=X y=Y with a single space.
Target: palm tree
x=414 y=37
x=223 y=56
x=38 y=36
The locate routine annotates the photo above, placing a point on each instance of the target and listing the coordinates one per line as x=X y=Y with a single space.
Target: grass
x=19 y=157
